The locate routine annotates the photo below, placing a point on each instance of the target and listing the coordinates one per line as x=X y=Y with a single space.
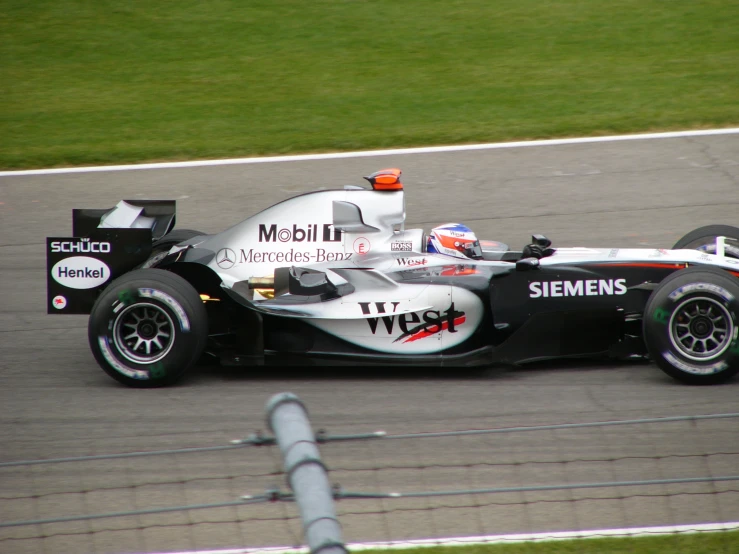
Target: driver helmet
x=454 y=239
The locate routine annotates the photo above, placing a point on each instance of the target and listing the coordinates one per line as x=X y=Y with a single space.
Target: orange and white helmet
x=454 y=239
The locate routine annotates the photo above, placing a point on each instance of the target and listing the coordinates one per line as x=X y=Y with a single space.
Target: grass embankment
x=697 y=543
x=107 y=82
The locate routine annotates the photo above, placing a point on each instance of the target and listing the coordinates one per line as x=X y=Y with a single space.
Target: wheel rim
x=143 y=333
x=701 y=329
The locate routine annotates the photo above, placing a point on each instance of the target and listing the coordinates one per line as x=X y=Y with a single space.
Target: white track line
x=372 y=153
x=495 y=539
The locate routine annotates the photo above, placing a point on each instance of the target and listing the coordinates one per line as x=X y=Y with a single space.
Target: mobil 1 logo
x=313 y=232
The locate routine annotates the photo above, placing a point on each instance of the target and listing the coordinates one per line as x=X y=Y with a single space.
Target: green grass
x=698 y=543
x=87 y=82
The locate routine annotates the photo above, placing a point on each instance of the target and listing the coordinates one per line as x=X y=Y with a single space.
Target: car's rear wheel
x=691 y=328
x=704 y=239
x=147 y=328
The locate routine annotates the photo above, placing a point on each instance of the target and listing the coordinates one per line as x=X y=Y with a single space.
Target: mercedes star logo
x=226 y=258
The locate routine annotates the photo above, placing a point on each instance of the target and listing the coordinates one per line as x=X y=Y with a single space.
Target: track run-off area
x=55 y=402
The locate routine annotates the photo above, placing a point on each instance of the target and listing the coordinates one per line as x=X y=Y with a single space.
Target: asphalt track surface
x=56 y=402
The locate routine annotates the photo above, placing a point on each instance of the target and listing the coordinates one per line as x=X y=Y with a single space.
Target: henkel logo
x=588 y=287
x=84 y=246
x=413 y=326
x=309 y=233
x=80 y=272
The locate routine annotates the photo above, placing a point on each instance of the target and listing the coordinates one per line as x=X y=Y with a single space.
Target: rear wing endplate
x=105 y=245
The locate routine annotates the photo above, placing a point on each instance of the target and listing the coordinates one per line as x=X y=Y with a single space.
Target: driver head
x=454 y=239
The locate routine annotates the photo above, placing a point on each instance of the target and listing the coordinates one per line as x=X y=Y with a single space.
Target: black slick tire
x=690 y=325
x=148 y=328
x=704 y=239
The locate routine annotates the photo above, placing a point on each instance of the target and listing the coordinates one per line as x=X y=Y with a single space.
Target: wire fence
x=471 y=483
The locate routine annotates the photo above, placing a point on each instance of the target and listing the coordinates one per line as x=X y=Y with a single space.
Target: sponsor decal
x=169 y=301
x=658 y=253
x=456 y=234
x=413 y=326
x=362 y=245
x=81 y=246
x=411 y=262
x=310 y=233
x=226 y=258
x=401 y=246
x=585 y=287
x=613 y=253
x=59 y=302
x=157 y=370
x=678 y=293
x=379 y=307
x=80 y=272
x=292 y=256
x=118 y=366
x=661 y=316
x=694 y=369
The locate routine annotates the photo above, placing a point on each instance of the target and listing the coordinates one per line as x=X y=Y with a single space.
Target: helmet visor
x=473 y=250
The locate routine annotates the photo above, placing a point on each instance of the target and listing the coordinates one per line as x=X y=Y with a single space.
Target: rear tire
x=690 y=326
x=704 y=239
x=148 y=328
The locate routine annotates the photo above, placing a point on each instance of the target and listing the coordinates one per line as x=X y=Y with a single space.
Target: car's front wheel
x=704 y=239
x=147 y=328
x=691 y=328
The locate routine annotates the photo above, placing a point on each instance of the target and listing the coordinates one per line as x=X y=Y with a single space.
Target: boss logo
x=84 y=246
x=401 y=246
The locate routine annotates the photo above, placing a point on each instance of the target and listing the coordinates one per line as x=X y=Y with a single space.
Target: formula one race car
x=334 y=277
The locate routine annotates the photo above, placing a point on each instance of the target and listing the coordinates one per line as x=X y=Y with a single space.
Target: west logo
x=410 y=262
x=270 y=233
x=412 y=326
x=587 y=287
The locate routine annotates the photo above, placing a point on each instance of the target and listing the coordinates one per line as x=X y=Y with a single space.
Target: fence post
x=287 y=418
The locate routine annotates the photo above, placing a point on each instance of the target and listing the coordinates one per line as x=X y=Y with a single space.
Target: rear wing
x=105 y=244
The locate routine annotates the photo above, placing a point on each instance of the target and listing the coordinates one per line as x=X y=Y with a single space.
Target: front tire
x=147 y=328
x=691 y=328
x=704 y=239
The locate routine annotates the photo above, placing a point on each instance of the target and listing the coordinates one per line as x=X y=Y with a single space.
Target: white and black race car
x=334 y=277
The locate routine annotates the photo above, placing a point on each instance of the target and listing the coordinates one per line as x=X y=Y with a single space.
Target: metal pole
x=287 y=418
